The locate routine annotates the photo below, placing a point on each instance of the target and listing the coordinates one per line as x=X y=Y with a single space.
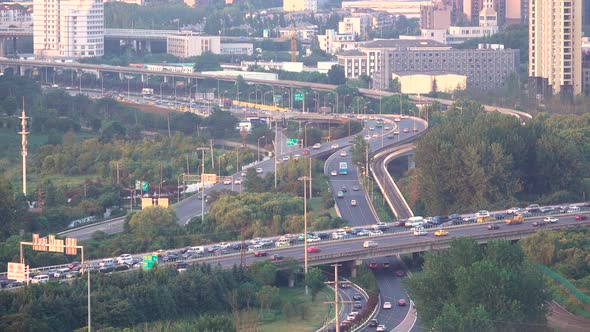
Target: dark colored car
x=239 y=246
x=581 y=217
x=169 y=257
x=538 y=224
x=400 y=273
x=344 y=189
x=358 y=305
x=260 y=253
x=107 y=268
x=401 y=302
x=75 y=266
x=180 y=265
x=322 y=236
x=493 y=226
x=276 y=258
x=121 y=267
x=373 y=323
x=373 y=265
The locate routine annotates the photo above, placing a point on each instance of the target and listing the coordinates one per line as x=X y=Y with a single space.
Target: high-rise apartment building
x=68 y=28
x=555 y=51
x=435 y=16
x=586 y=14
x=300 y=5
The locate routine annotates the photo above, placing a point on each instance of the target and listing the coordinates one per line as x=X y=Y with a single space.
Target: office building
x=555 y=52
x=132 y=2
x=300 y=5
x=15 y=14
x=303 y=31
x=359 y=26
x=586 y=14
x=486 y=67
x=332 y=42
x=471 y=9
x=68 y=28
x=188 y=45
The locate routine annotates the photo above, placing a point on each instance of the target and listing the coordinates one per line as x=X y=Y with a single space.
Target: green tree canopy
x=472 y=288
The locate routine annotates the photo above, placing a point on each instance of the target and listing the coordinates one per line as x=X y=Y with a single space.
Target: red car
x=400 y=273
x=401 y=302
x=313 y=249
x=373 y=265
x=260 y=253
x=399 y=224
x=581 y=217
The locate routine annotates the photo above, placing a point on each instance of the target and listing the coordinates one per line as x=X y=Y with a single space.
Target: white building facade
x=68 y=28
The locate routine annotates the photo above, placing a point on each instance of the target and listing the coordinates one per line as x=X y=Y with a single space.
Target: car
x=306 y=152
x=367 y=137
x=401 y=302
x=373 y=265
x=239 y=246
x=260 y=254
x=227 y=181
x=259 y=170
x=180 y=265
x=286 y=158
x=573 y=209
x=224 y=245
x=343 y=154
x=441 y=232
x=533 y=208
x=255 y=240
x=387 y=305
x=551 y=220
x=340 y=194
x=351 y=316
x=370 y=244
x=374 y=135
x=375 y=232
x=493 y=226
x=344 y=189
x=357 y=305
x=244 y=173
x=581 y=217
x=385 y=265
x=353 y=202
x=345 y=284
x=482 y=213
x=371 y=128
x=399 y=223
x=313 y=239
x=381 y=328
x=334 y=146
x=364 y=232
x=333 y=173
x=538 y=224
x=420 y=232
x=355 y=188
x=406 y=130
x=213 y=248
x=238 y=181
x=170 y=256
x=400 y=273
x=266 y=242
x=546 y=209
x=125 y=259
x=313 y=250
x=316 y=146
x=107 y=268
x=75 y=266
x=357 y=297
x=373 y=323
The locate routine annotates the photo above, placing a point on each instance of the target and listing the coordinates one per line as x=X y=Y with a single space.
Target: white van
x=60 y=273
x=106 y=261
x=42 y=278
x=415 y=222
x=369 y=244
x=198 y=249
x=255 y=247
x=573 y=209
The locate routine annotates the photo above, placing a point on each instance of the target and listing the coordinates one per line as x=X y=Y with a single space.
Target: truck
x=147 y=92
x=485 y=219
x=227 y=102
x=514 y=220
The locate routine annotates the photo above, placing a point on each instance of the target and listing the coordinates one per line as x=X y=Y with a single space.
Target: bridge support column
x=2 y=47
x=415 y=258
x=354 y=267
x=291 y=281
x=14 y=45
x=22 y=70
x=144 y=77
x=148 y=46
x=134 y=44
x=411 y=162
x=166 y=79
x=121 y=76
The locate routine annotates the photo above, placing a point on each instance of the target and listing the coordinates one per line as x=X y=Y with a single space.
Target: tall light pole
x=258 y=148
x=203 y=149
x=304 y=179
x=160 y=188
x=305 y=143
x=196 y=86
x=264 y=97
x=128 y=77
x=219 y=163
x=24 y=152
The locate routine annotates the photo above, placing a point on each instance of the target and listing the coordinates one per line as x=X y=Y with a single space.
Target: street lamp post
x=305 y=143
x=160 y=188
x=219 y=163
x=304 y=179
x=203 y=149
x=258 y=148
x=264 y=97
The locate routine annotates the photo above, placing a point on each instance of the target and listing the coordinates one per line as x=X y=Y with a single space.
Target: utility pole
x=275 y=146
x=202 y=183
x=304 y=179
x=24 y=152
x=117 y=163
x=336 y=301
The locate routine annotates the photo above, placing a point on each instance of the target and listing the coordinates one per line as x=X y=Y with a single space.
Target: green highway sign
x=292 y=142
x=145 y=186
x=298 y=97
x=148 y=261
x=137 y=185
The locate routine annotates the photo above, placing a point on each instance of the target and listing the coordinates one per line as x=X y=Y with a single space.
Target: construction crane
x=293 y=42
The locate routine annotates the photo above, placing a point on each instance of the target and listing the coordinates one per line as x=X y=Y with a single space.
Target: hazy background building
x=68 y=28
x=555 y=52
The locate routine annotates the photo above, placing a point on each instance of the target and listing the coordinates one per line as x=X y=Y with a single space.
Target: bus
x=343 y=168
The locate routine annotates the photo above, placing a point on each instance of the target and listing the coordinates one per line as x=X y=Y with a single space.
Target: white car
x=406 y=130
x=224 y=245
x=381 y=328
x=482 y=213
x=286 y=158
x=551 y=220
x=396 y=119
x=343 y=154
x=316 y=146
x=333 y=173
x=255 y=240
x=513 y=210
x=364 y=232
x=125 y=259
x=353 y=202
x=259 y=170
x=371 y=128
x=420 y=232
x=335 y=146
x=369 y=244
x=238 y=181
x=386 y=305
x=386 y=128
x=313 y=239
x=367 y=137
x=244 y=173
x=396 y=132
x=227 y=181
x=375 y=232
x=338 y=235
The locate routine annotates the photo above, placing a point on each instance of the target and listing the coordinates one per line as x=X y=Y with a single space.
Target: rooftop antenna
x=24 y=134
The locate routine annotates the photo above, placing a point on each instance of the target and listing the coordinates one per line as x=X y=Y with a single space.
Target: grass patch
x=317 y=312
x=562 y=296
x=317 y=205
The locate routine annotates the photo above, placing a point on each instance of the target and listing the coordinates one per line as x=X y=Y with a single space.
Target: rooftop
x=352 y=53
x=397 y=43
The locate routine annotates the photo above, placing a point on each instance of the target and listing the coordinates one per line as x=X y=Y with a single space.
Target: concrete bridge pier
x=166 y=79
x=353 y=265
x=416 y=258
x=146 y=45
x=291 y=280
x=411 y=162
x=2 y=47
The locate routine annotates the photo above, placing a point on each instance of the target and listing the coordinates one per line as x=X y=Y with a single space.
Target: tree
x=336 y=75
x=152 y=222
x=358 y=151
x=221 y=123
x=207 y=62
x=264 y=272
x=315 y=281
x=479 y=289
x=8 y=209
